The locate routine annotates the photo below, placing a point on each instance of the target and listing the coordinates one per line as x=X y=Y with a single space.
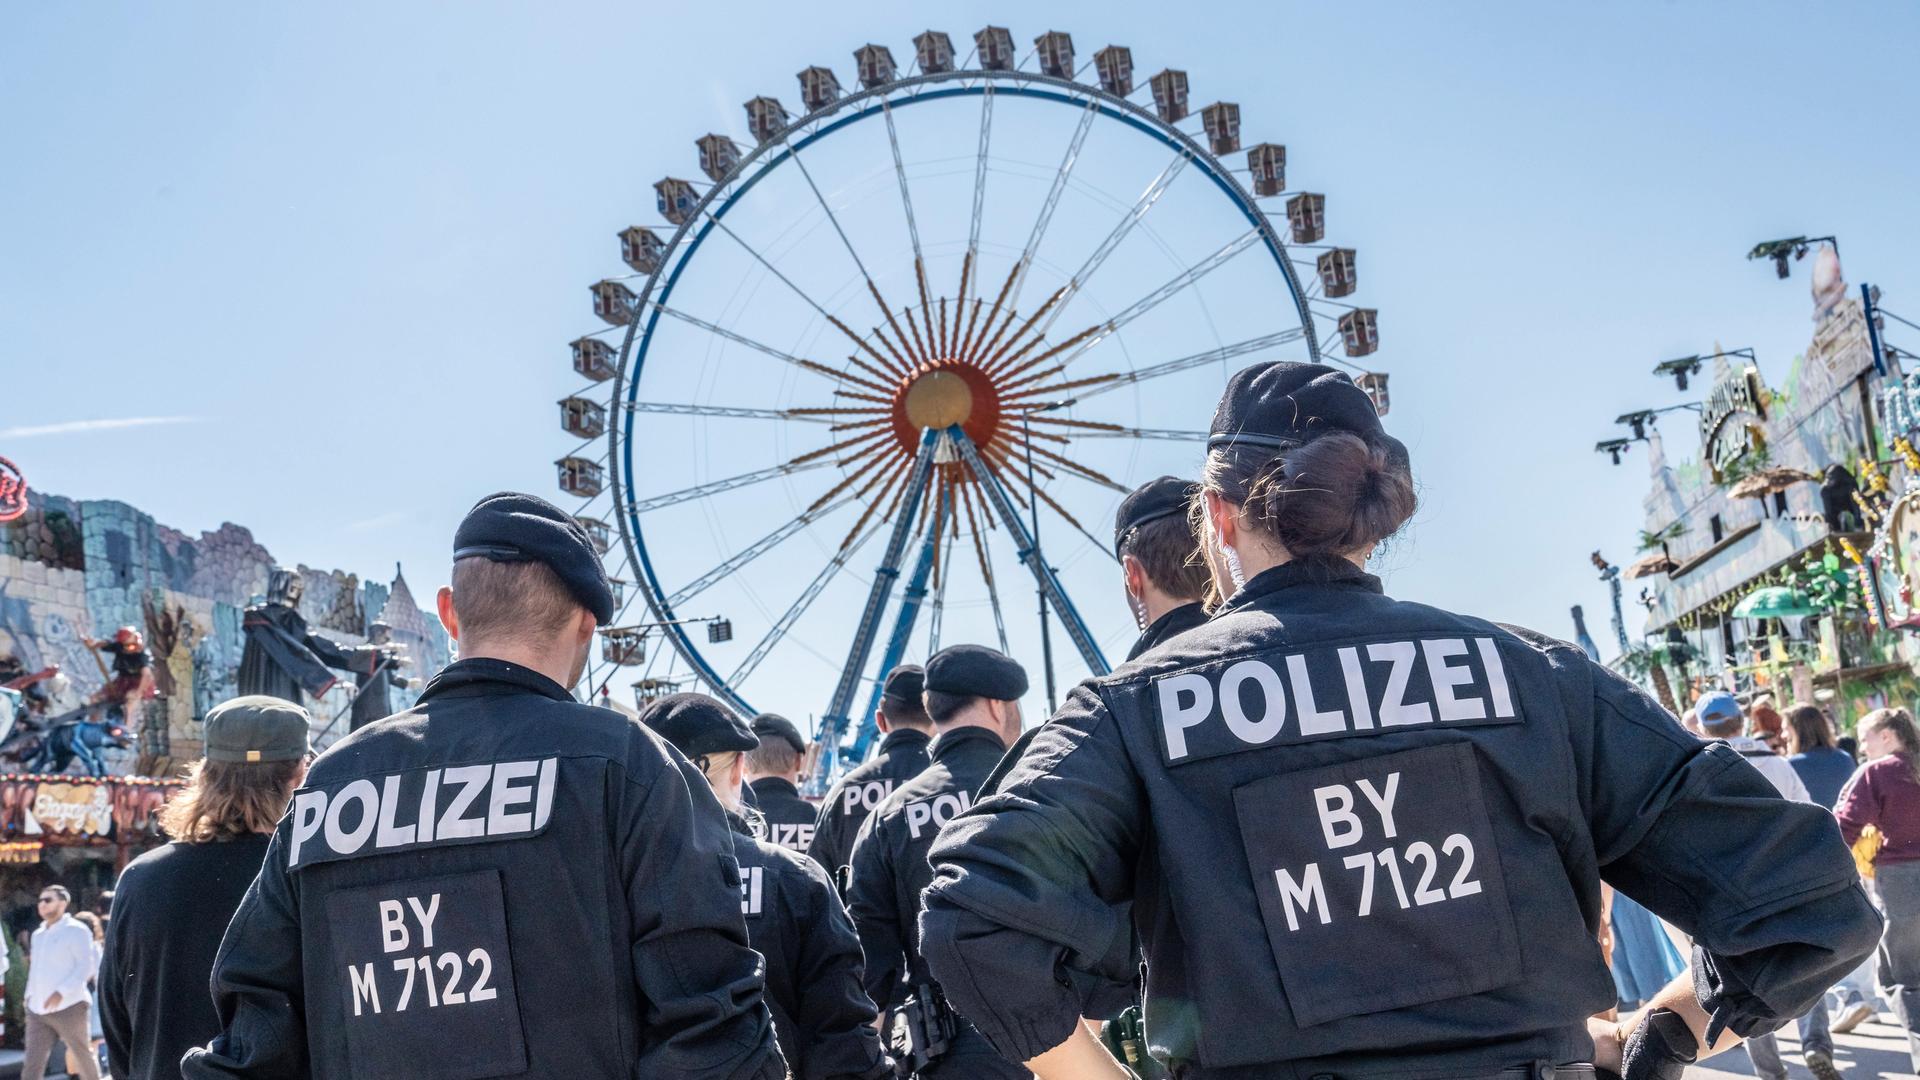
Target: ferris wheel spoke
x=1200 y=359
x=919 y=346
x=897 y=332
x=1174 y=287
x=1060 y=177
x=979 y=183
x=942 y=563
x=1011 y=447
x=715 y=487
x=885 y=310
x=913 y=228
x=801 y=415
x=810 y=302
x=977 y=532
x=894 y=485
x=1095 y=429
x=1144 y=203
x=996 y=351
x=759 y=346
x=846 y=482
x=798 y=608
x=1070 y=384
x=746 y=555
x=844 y=444
x=1012 y=369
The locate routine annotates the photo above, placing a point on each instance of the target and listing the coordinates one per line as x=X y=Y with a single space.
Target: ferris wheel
x=879 y=382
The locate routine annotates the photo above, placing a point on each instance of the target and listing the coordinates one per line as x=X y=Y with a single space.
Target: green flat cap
x=256 y=728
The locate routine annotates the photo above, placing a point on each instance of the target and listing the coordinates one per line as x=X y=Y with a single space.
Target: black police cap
x=696 y=724
x=904 y=684
x=976 y=671
x=1282 y=404
x=774 y=726
x=1150 y=502
x=511 y=527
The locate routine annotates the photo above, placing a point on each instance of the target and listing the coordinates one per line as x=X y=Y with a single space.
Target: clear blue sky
x=340 y=249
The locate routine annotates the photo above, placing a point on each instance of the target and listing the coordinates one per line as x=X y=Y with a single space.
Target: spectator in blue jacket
x=1823 y=767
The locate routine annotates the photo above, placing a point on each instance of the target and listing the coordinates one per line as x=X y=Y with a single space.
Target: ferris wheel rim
x=784 y=147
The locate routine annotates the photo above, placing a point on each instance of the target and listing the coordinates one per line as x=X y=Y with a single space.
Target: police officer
x=1367 y=837
x=499 y=881
x=1153 y=536
x=973 y=696
x=1164 y=581
x=774 y=765
x=902 y=719
x=824 y=1019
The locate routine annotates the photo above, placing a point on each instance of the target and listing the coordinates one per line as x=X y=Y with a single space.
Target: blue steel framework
x=755 y=165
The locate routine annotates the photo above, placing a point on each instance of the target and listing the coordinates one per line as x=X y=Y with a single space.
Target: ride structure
x=731 y=438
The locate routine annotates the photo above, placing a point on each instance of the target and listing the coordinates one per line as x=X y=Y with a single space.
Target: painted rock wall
x=71 y=569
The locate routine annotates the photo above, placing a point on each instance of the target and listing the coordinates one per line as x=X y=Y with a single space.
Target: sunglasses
x=49 y=899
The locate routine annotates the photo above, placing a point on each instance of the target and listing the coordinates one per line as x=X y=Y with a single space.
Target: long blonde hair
x=224 y=800
x=715 y=767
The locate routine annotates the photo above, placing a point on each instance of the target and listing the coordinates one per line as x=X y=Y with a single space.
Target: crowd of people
x=1306 y=830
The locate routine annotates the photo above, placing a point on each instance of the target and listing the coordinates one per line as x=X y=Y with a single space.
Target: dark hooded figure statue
x=376 y=669
x=282 y=657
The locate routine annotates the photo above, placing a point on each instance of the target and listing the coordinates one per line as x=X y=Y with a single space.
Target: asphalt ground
x=1877 y=1048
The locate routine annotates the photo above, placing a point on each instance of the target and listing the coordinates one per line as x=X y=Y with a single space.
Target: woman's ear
x=1225 y=519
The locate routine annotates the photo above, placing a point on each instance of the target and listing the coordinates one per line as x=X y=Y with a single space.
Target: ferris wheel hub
x=937 y=399
x=942 y=393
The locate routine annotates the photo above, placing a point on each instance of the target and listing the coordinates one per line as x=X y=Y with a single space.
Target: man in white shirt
x=59 y=963
x=1720 y=717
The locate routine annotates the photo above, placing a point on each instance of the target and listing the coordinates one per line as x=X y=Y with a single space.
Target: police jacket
x=1168 y=626
x=1362 y=836
x=902 y=756
x=789 y=818
x=890 y=858
x=823 y=1018
x=497 y=882
x=1165 y=628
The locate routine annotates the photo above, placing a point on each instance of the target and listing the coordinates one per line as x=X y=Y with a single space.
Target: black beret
x=696 y=724
x=904 y=684
x=1281 y=404
x=1149 y=502
x=511 y=527
x=774 y=726
x=976 y=671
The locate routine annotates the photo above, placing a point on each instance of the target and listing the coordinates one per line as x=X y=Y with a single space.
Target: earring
x=1238 y=575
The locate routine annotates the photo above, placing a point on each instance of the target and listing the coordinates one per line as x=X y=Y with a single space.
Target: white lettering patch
x=502 y=800
x=935 y=812
x=1277 y=698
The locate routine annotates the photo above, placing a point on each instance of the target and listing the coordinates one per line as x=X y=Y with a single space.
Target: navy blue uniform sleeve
x=836 y=1016
x=115 y=1025
x=257 y=983
x=1693 y=832
x=1026 y=922
x=701 y=985
x=831 y=847
x=876 y=917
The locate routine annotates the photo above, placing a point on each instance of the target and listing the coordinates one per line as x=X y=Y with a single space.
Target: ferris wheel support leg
x=909 y=613
x=835 y=720
x=1043 y=574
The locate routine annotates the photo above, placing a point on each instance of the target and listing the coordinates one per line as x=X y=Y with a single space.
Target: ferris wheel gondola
x=865 y=328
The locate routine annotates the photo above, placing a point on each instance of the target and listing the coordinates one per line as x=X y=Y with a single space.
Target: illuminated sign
x=13 y=491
